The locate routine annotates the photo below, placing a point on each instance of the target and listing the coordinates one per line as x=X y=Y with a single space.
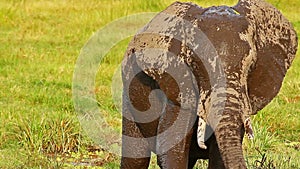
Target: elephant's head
x=238 y=57
x=256 y=45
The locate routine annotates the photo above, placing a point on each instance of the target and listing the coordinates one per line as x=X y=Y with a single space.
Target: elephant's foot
x=133 y=163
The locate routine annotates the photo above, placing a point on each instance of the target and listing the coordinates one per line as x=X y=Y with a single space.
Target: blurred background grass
x=40 y=41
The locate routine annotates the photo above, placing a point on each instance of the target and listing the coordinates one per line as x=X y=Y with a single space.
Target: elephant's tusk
x=248 y=128
x=202 y=128
x=201 y=133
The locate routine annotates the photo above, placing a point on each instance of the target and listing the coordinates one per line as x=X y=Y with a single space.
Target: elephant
x=193 y=76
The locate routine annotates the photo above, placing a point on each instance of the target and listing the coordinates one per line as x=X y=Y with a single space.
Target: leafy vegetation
x=40 y=41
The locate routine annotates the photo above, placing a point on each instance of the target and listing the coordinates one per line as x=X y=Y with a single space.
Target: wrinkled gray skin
x=256 y=46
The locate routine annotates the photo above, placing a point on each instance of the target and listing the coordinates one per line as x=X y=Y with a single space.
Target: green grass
x=40 y=42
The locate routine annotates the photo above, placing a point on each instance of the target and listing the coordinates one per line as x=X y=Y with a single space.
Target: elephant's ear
x=274 y=44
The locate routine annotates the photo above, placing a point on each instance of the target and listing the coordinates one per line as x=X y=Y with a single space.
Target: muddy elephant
x=193 y=76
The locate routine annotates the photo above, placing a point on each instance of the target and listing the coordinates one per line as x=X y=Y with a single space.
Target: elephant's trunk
x=228 y=117
x=229 y=134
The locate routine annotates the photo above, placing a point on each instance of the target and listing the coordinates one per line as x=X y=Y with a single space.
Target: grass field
x=40 y=42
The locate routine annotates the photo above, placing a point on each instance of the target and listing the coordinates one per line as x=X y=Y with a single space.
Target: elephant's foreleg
x=141 y=107
x=174 y=138
x=132 y=163
x=134 y=155
x=175 y=158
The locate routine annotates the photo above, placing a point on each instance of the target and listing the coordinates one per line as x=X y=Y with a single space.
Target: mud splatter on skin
x=254 y=45
x=273 y=43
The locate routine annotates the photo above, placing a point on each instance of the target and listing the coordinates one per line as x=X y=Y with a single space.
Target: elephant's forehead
x=185 y=25
x=224 y=31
